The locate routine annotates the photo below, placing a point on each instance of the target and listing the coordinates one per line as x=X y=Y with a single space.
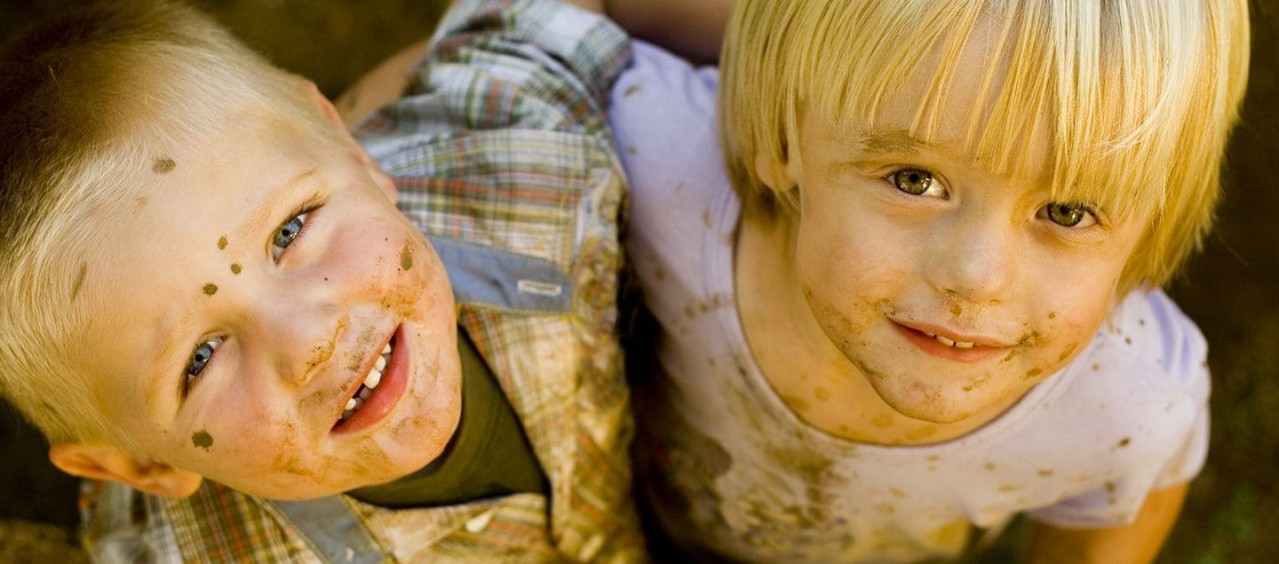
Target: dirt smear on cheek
x=210 y=289
x=406 y=257
x=202 y=439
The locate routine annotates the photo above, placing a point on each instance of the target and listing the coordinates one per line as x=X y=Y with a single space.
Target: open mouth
x=371 y=381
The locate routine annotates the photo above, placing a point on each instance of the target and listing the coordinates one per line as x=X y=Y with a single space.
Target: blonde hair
x=1140 y=95
x=89 y=104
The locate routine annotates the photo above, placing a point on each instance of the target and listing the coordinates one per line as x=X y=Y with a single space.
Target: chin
x=931 y=405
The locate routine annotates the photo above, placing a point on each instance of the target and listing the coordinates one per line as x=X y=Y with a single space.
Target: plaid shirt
x=503 y=159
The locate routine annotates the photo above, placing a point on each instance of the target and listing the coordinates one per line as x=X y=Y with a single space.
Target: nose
x=974 y=257
x=299 y=334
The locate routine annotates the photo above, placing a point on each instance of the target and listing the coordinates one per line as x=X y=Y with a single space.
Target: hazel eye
x=286 y=234
x=1069 y=214
x=916 y=182
x=200 y=358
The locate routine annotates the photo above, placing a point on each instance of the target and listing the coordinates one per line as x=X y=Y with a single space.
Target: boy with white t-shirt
x=922 y=296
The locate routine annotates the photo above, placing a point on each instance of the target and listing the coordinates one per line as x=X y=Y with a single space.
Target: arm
x=1138 y=542
x=693 y=29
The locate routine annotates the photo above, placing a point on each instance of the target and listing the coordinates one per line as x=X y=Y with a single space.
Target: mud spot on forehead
x=235 y=268
x=210 y=289
x=222 y=242
x=163 y=165
x=406 y=257
x=202 y=439
x=79 y=280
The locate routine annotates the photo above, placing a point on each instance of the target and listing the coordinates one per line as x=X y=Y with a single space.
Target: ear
x=779 y=178
x=99 y=462
x=370 y=166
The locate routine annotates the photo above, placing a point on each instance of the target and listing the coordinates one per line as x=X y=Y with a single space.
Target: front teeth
x=948 y=342
x=370 y=383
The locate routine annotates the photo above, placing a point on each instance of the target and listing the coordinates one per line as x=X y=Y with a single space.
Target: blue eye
x=286 y=234
x=200 y=358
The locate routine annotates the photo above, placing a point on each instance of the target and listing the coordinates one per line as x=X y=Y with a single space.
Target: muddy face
x=250 y=368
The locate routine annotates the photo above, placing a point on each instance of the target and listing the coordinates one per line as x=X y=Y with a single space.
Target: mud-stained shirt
x=502 y=157
x=729 y=469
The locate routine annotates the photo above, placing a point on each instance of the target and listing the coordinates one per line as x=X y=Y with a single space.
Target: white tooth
x=386 y=349
x=934 y=335
x=963 y=345
x=358 y=403
x=350 y=404
x=380 y=363
x=373 y=379
x=944 y=341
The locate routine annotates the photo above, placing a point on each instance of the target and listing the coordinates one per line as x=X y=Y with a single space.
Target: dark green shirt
x=488 y=455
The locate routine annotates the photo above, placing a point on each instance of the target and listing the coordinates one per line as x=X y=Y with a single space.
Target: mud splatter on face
x=406 y=257
x=1032 y=373
x=955 y=310
x=1052 y=315
x=79 y=280
x=202 y=439
x=235 y=268
x=221 y=242
x=1066 y=353
x=210 y=289
x=163 y=165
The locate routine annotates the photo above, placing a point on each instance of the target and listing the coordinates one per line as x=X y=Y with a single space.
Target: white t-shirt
x=728 y=467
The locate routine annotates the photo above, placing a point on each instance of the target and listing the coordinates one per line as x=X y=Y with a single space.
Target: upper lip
x=957 y=336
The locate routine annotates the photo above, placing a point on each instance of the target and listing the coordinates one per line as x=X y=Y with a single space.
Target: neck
x=815 y=380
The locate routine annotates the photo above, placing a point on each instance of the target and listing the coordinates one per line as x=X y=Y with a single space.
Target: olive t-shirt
x=488 y=455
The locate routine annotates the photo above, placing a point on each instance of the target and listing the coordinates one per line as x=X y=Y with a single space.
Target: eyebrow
x=891 y=142
x=267 y=205
x=264 y=207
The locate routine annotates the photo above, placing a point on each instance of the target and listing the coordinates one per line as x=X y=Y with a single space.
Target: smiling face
x=255 y=289
x=949 y=288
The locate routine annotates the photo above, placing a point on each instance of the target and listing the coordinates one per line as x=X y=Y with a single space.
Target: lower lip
x=931 y=346
x=386 y=395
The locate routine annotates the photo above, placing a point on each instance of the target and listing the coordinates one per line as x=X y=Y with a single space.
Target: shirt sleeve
x=503 y=64
x=1166 y=358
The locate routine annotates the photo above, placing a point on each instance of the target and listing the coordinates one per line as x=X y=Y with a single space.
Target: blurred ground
x=1231 y=289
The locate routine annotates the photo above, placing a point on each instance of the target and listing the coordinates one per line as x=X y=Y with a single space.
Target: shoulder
x=1149 y=340
x=521 y=64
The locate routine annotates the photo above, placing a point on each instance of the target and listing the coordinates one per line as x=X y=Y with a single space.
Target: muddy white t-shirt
x=728 y=467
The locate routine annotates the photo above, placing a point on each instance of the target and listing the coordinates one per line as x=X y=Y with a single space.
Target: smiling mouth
x=952 y=344
x=371 y=381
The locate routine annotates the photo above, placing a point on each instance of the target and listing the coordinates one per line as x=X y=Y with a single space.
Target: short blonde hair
x=90 y=104
x=1140 y=95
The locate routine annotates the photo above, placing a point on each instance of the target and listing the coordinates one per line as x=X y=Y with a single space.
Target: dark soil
x=1231 y=289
